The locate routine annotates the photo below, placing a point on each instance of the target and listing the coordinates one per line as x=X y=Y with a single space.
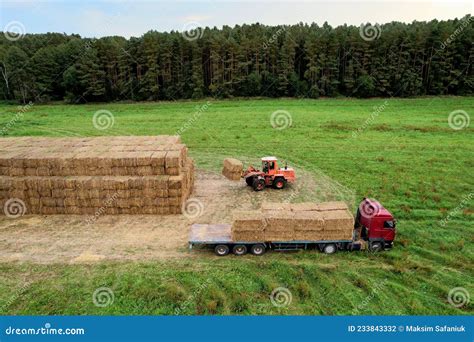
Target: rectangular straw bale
x=279 y=220
x=249 y=220
x=279 y=235
x=326 y=206
x=233 y=165
x=308 y=220
x=307 y=206
x=309 y=235
x=273 y=206
x=172 y=159
x=338 y=220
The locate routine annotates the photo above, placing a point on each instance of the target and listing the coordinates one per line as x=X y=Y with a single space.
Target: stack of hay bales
x=232 y=169
x=110 y=175
x=294 y=222
x=248 y=226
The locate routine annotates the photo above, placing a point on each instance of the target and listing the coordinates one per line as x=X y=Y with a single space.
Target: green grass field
x=406 y=155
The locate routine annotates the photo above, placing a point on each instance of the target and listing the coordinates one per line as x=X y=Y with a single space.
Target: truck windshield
x=389 y=224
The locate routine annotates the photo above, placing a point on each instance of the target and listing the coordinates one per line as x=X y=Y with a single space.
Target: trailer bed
x=212 y=234
x=205 y=234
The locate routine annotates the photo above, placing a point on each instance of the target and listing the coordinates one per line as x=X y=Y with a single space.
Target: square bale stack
x=294 y=222
x=105 y=175
x=248 y=226
x=232 y=169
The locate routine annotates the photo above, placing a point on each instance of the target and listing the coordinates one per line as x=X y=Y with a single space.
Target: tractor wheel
x=249 y=181
x=279 y=183
x=258 y=184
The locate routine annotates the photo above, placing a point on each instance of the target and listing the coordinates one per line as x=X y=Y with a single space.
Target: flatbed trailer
x=218 y=237
x=374 y=229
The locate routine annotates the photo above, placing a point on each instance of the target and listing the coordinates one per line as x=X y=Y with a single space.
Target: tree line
x=394 y=59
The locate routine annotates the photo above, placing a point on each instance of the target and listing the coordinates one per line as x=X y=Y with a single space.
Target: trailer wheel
x=249 y=181
x=330 y=248
x=221 y=250
x=258 y=184
x=279 y=183
x=239 y=249
x=257 y=249
x=376 y=246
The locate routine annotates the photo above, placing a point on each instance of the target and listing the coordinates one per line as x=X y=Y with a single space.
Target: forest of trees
x=421 y=58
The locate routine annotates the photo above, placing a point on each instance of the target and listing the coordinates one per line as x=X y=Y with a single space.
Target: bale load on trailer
x=113 y=175
x=248 y=225
x=294 y=222
x=232 y=169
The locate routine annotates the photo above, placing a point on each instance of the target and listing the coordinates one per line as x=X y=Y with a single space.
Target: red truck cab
x=375 y=224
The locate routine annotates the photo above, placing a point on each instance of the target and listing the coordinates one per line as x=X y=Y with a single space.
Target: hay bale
x=335 y=220
x=82 y=174
x=249 y=220
x=272 y=206
x=308 y=220
x=308 y=235
x=279 y=235
x=233 y=165
x=327 y=206
x=232 y=169
x=307 y=206
x=279 y=220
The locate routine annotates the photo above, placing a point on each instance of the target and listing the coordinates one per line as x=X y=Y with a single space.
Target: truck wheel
x=279 y=183
x=258 y=184
x=221 y=250
x=376 y=246
x=249 y=181
x=239 y=249
x=330 y=248
x=257 y=249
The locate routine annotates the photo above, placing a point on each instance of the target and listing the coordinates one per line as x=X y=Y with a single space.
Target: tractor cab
x=269 y=165
x=377 y=225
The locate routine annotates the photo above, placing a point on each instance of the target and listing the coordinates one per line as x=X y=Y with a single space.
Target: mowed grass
x=405 y=155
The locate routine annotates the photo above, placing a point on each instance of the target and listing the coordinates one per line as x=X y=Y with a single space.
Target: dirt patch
x=71 y=239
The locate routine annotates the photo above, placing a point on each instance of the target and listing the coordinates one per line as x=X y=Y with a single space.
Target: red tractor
x=271 y=175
